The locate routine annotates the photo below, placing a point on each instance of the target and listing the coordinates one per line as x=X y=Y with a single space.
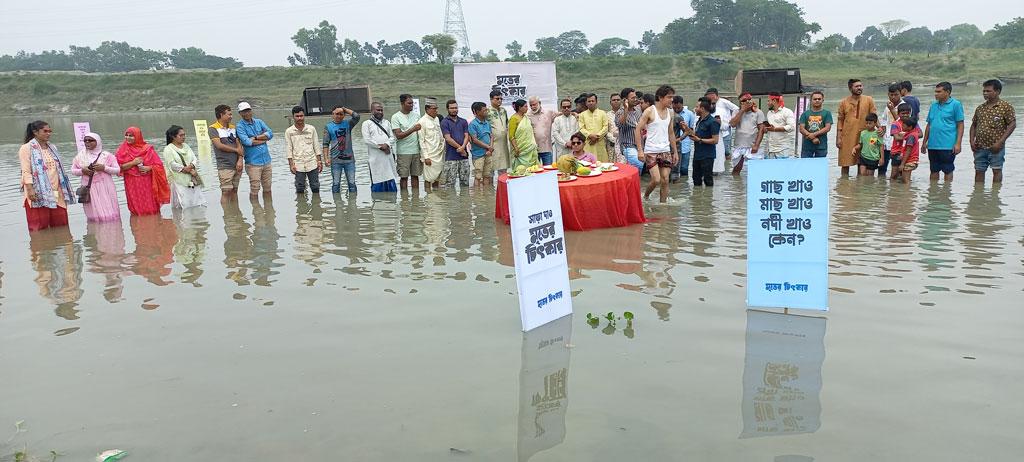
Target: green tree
x=678 y=36
x=649 y=43
x=196 y=58
x=833 y=44
x=441 y=46
x=491 y=57
x=893 y=27
x=566 y=46
x=410 y=52
x=613 y=46
x=871 y=39
x=515 y=51
x=914 y=39
x=1009 y=35
x=319 y=46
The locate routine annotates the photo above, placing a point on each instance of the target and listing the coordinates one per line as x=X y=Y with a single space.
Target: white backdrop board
x=475 y=81
x=538 y=239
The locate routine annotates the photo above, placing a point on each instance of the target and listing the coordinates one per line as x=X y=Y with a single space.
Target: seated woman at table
x=576 y=141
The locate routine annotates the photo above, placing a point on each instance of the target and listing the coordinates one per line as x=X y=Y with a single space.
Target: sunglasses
x=88 y=140
x=576 y=142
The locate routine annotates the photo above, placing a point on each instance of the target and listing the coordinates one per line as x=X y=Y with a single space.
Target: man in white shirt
x=562 y=129
x=380 y=147
x=781 y=128
x=724 y=111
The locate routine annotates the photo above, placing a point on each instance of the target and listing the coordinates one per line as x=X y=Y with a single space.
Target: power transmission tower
x=455 y=25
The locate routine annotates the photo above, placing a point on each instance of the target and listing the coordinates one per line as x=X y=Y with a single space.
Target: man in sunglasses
x=562 y=128
x=748 y=123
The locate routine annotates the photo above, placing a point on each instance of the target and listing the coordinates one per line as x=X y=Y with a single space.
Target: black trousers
x=701 y=172
x=314 y=181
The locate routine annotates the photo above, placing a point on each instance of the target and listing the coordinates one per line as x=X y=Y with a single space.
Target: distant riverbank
x=281 y=87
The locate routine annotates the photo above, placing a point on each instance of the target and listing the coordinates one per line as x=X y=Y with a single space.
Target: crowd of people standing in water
x=654 y=132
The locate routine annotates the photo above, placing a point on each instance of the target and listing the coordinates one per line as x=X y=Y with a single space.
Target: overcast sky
x=258 y=31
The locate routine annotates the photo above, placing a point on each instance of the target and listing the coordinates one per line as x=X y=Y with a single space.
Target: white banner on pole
x=475 y=81
x=542 y=270
x=782 y=374
x=81 y=128
x=204 y=147
x=544 y=387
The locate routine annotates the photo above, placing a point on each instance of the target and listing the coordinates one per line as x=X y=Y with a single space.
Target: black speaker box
x=321 y=100
x=764 y=81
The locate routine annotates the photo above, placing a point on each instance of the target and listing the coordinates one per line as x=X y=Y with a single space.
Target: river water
x=385 y=327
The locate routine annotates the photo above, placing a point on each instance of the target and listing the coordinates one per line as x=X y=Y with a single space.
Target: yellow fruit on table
x=583 y=171
x=566 y=164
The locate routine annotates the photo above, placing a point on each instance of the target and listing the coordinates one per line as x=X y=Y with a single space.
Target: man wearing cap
x=724 y=111
x=254 y=134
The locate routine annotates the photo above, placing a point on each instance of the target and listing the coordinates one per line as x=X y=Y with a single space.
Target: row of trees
x=114 y=57
x=896 y=35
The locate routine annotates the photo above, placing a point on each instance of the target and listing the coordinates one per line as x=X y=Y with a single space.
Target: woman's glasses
x=576 y=143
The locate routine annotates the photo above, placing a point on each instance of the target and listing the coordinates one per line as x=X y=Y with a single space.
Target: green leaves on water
x=612 y=323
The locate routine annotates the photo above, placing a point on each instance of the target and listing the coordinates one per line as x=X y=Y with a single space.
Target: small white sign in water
x=542 y=269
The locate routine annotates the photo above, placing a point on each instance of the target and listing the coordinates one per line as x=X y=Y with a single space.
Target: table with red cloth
x=609 y=200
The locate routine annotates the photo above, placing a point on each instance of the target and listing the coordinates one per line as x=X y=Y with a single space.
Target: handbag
x=83 y=191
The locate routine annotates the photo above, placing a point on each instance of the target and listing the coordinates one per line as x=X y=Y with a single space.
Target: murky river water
x=385 y=327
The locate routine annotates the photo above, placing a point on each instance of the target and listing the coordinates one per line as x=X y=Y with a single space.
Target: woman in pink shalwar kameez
x=97 y=168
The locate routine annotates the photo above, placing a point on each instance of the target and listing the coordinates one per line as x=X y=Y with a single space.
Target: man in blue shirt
x=684 y=118
x=481 y=146
x=254 y=134
x=705 y=138
x=915 y=104
x=337 y=147
x=456 y=156
x=944 y=133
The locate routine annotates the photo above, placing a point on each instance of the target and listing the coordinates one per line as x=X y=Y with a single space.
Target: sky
x=258 y=32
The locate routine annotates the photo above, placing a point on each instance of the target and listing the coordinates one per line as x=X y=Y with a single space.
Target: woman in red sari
x=145 y=180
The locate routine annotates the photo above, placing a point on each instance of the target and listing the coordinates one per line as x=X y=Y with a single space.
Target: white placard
x=81 y=128
x=544 y=387
x=538 y=240
x=475 y=81
x=416 y=107
x=782 y=374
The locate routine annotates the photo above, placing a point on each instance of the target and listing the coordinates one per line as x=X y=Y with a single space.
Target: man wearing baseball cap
x=254 y=134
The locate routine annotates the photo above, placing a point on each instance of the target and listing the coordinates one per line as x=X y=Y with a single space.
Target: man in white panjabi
x=380 y=148
x=431 y=145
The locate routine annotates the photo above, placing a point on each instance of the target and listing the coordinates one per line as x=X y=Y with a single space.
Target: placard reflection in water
x=782 y=374
x=544 y=387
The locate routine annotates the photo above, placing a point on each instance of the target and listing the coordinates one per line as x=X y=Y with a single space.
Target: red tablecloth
x=609 y=200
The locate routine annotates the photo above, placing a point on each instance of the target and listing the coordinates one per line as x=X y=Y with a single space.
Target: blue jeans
x=684 y=163
x=632 y=158
x=985 y=158
x=350 y=176
x=545 y=158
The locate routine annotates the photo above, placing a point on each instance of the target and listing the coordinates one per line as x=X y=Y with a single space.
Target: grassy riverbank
x=60 y=92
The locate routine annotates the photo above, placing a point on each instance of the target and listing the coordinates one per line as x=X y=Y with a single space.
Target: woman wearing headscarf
x=96 y=167
x=145 y=180
x=43 y=180
x=520 y=136
x=186 y=185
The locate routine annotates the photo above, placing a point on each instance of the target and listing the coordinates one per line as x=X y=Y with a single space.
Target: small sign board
x=81 y=128
x=203 y=146
x=538 y=240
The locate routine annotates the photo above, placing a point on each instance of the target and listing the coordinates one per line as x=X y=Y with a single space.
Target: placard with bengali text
x=787 y=233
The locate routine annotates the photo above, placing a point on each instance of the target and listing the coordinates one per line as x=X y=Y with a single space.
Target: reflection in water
x=310 y=231
x=544 y=387
x=936 y=226
x=982 y=244
x=782 y=374
x=190 y=250
x=237 y=245
x=57 y=260
x=155 y=238
x=251 y=253
x=614 y=249
x=104 y=244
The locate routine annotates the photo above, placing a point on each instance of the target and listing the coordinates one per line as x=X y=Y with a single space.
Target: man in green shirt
x=815 y=124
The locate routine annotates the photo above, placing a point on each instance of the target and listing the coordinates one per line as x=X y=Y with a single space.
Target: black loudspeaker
x=321 y=100
x=764 y=81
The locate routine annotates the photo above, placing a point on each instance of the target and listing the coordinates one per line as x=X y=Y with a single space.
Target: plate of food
x=585 y=163
x=535 y=169
x=550 y=167
x=563 y=178
x=608 y=167
x=519 y=172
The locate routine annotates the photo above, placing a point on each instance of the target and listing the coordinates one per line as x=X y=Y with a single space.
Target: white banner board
x=782 y=374
x=475 y=81
x=81 y=128
x=544 y=387
x=204 y=147
x=787 y=233
x=538 y=240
